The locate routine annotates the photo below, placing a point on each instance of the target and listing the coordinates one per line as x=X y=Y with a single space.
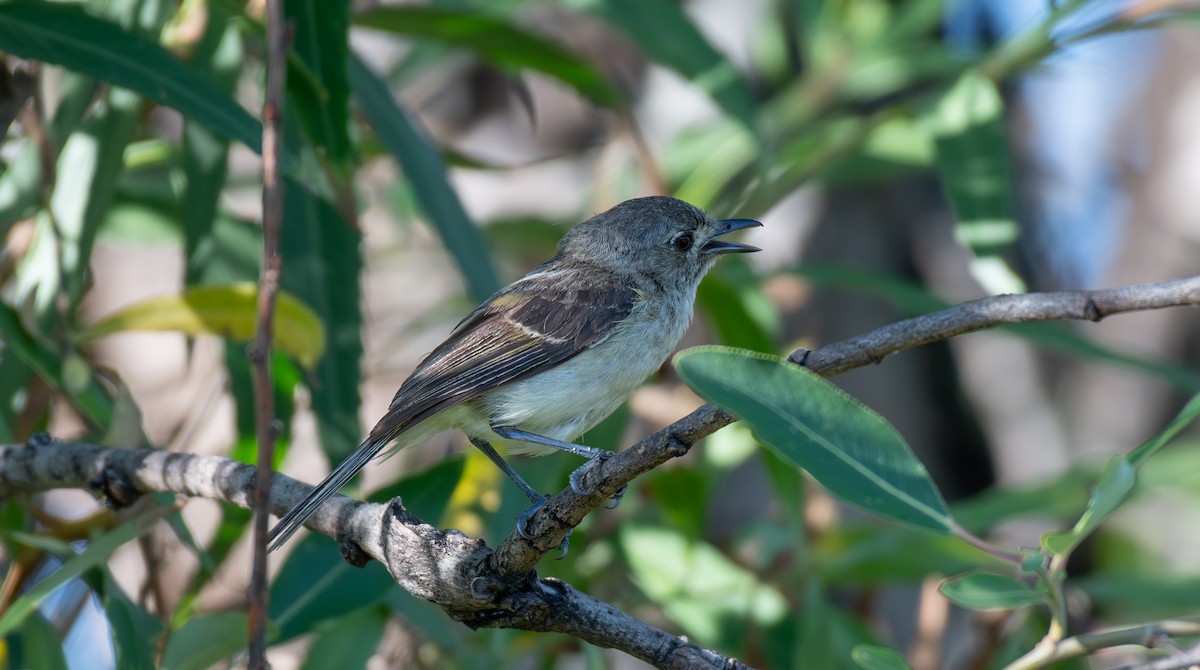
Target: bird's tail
x=344 y=472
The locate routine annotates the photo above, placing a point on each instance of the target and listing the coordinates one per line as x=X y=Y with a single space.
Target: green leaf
x=35 y=644
x=204 y=155
x=64 y=35
x=1113 y=488
x=424 y=168
x=982 y=590
x=871 y=657
x=349 y=642
x=850 y=450
x=229 y=311
x=1185 y=418
x=709 y=596
x=496 y=41
x=425 y=494
x=205 y=641
x=135 y=631
x=322 y=263
x=320 y=41
x=661 y=29
x=91 y=401
x=316 y=585
x=96 y=553
x=972 y=153
x=861 y=554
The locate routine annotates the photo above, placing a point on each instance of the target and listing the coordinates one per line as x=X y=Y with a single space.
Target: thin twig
x=268 y=286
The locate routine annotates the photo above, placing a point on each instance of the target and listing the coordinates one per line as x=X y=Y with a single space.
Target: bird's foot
x=576 y=480
x=523 y=520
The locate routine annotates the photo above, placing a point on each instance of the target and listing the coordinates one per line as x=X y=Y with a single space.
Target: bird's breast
x=572 y=397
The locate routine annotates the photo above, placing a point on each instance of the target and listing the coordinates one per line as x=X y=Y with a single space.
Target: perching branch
x=499 y=589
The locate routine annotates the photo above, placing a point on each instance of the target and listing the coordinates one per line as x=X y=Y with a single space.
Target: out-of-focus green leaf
x=425 y=494
x=870 y=657
x=35 y=644
x=97 y=551
x=1185 y=418
x=349 y=641
x=135 y=631
x=983 y=590
x=22 y=180
x=709 y=596
x=976 y=172
x=229 y=311
x=234 y=522
x=320 y=41
x=1152 y=596
x=65 y=35
x=861 y=554
x=495 y=40
x=425 y=169
x=1113 y=488
x=850 y=450
x=322 y=263
x=680 y=493
x=316 y=585
x=662 y=30
x=14 y=375
x=204 y=155
x=91 y=401
x=730 y=307
x=205 y=640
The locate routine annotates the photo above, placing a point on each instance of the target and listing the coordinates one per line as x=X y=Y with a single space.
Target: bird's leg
x=536 y=498
x=592 y=454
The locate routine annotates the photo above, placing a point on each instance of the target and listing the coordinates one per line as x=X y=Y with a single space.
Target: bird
x=555 y=352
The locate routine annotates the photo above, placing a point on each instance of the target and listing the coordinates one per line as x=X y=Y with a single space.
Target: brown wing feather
x=532 y=325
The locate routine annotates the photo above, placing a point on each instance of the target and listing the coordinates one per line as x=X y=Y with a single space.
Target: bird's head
x=663 y=238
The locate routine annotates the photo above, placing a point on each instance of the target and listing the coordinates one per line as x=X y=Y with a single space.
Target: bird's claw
x=523 y=520
x=576 y=480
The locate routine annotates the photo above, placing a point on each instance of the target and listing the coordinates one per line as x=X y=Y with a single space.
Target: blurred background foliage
x=903 y=154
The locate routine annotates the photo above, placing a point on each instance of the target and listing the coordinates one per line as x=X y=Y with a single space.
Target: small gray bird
x=552 y=354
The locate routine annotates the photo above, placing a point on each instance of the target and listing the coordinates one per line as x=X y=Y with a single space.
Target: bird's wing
x=530 y=326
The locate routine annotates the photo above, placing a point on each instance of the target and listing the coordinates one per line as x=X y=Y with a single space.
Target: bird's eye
x=683 y=241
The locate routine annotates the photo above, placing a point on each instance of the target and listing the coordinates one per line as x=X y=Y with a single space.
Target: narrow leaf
x=850 y=450
x=322 y=266
x=64 y=35
x=496 y=41
x=349 y=642
x=972 y=157
x=663 y=32
x=91 y=400
x=321 y=42
x=229 y=311
x=315 y=585
x=426 y=171
x=982 y=590
x=205 y=640
x=1113 y=488
x=1185 y=418
x=871 y=657
x=97 y=551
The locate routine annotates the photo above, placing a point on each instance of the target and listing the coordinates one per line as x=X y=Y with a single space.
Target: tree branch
x=444 y=567
x=483 y=588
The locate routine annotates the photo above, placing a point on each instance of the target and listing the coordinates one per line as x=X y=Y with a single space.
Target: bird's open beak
x=715 y=246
